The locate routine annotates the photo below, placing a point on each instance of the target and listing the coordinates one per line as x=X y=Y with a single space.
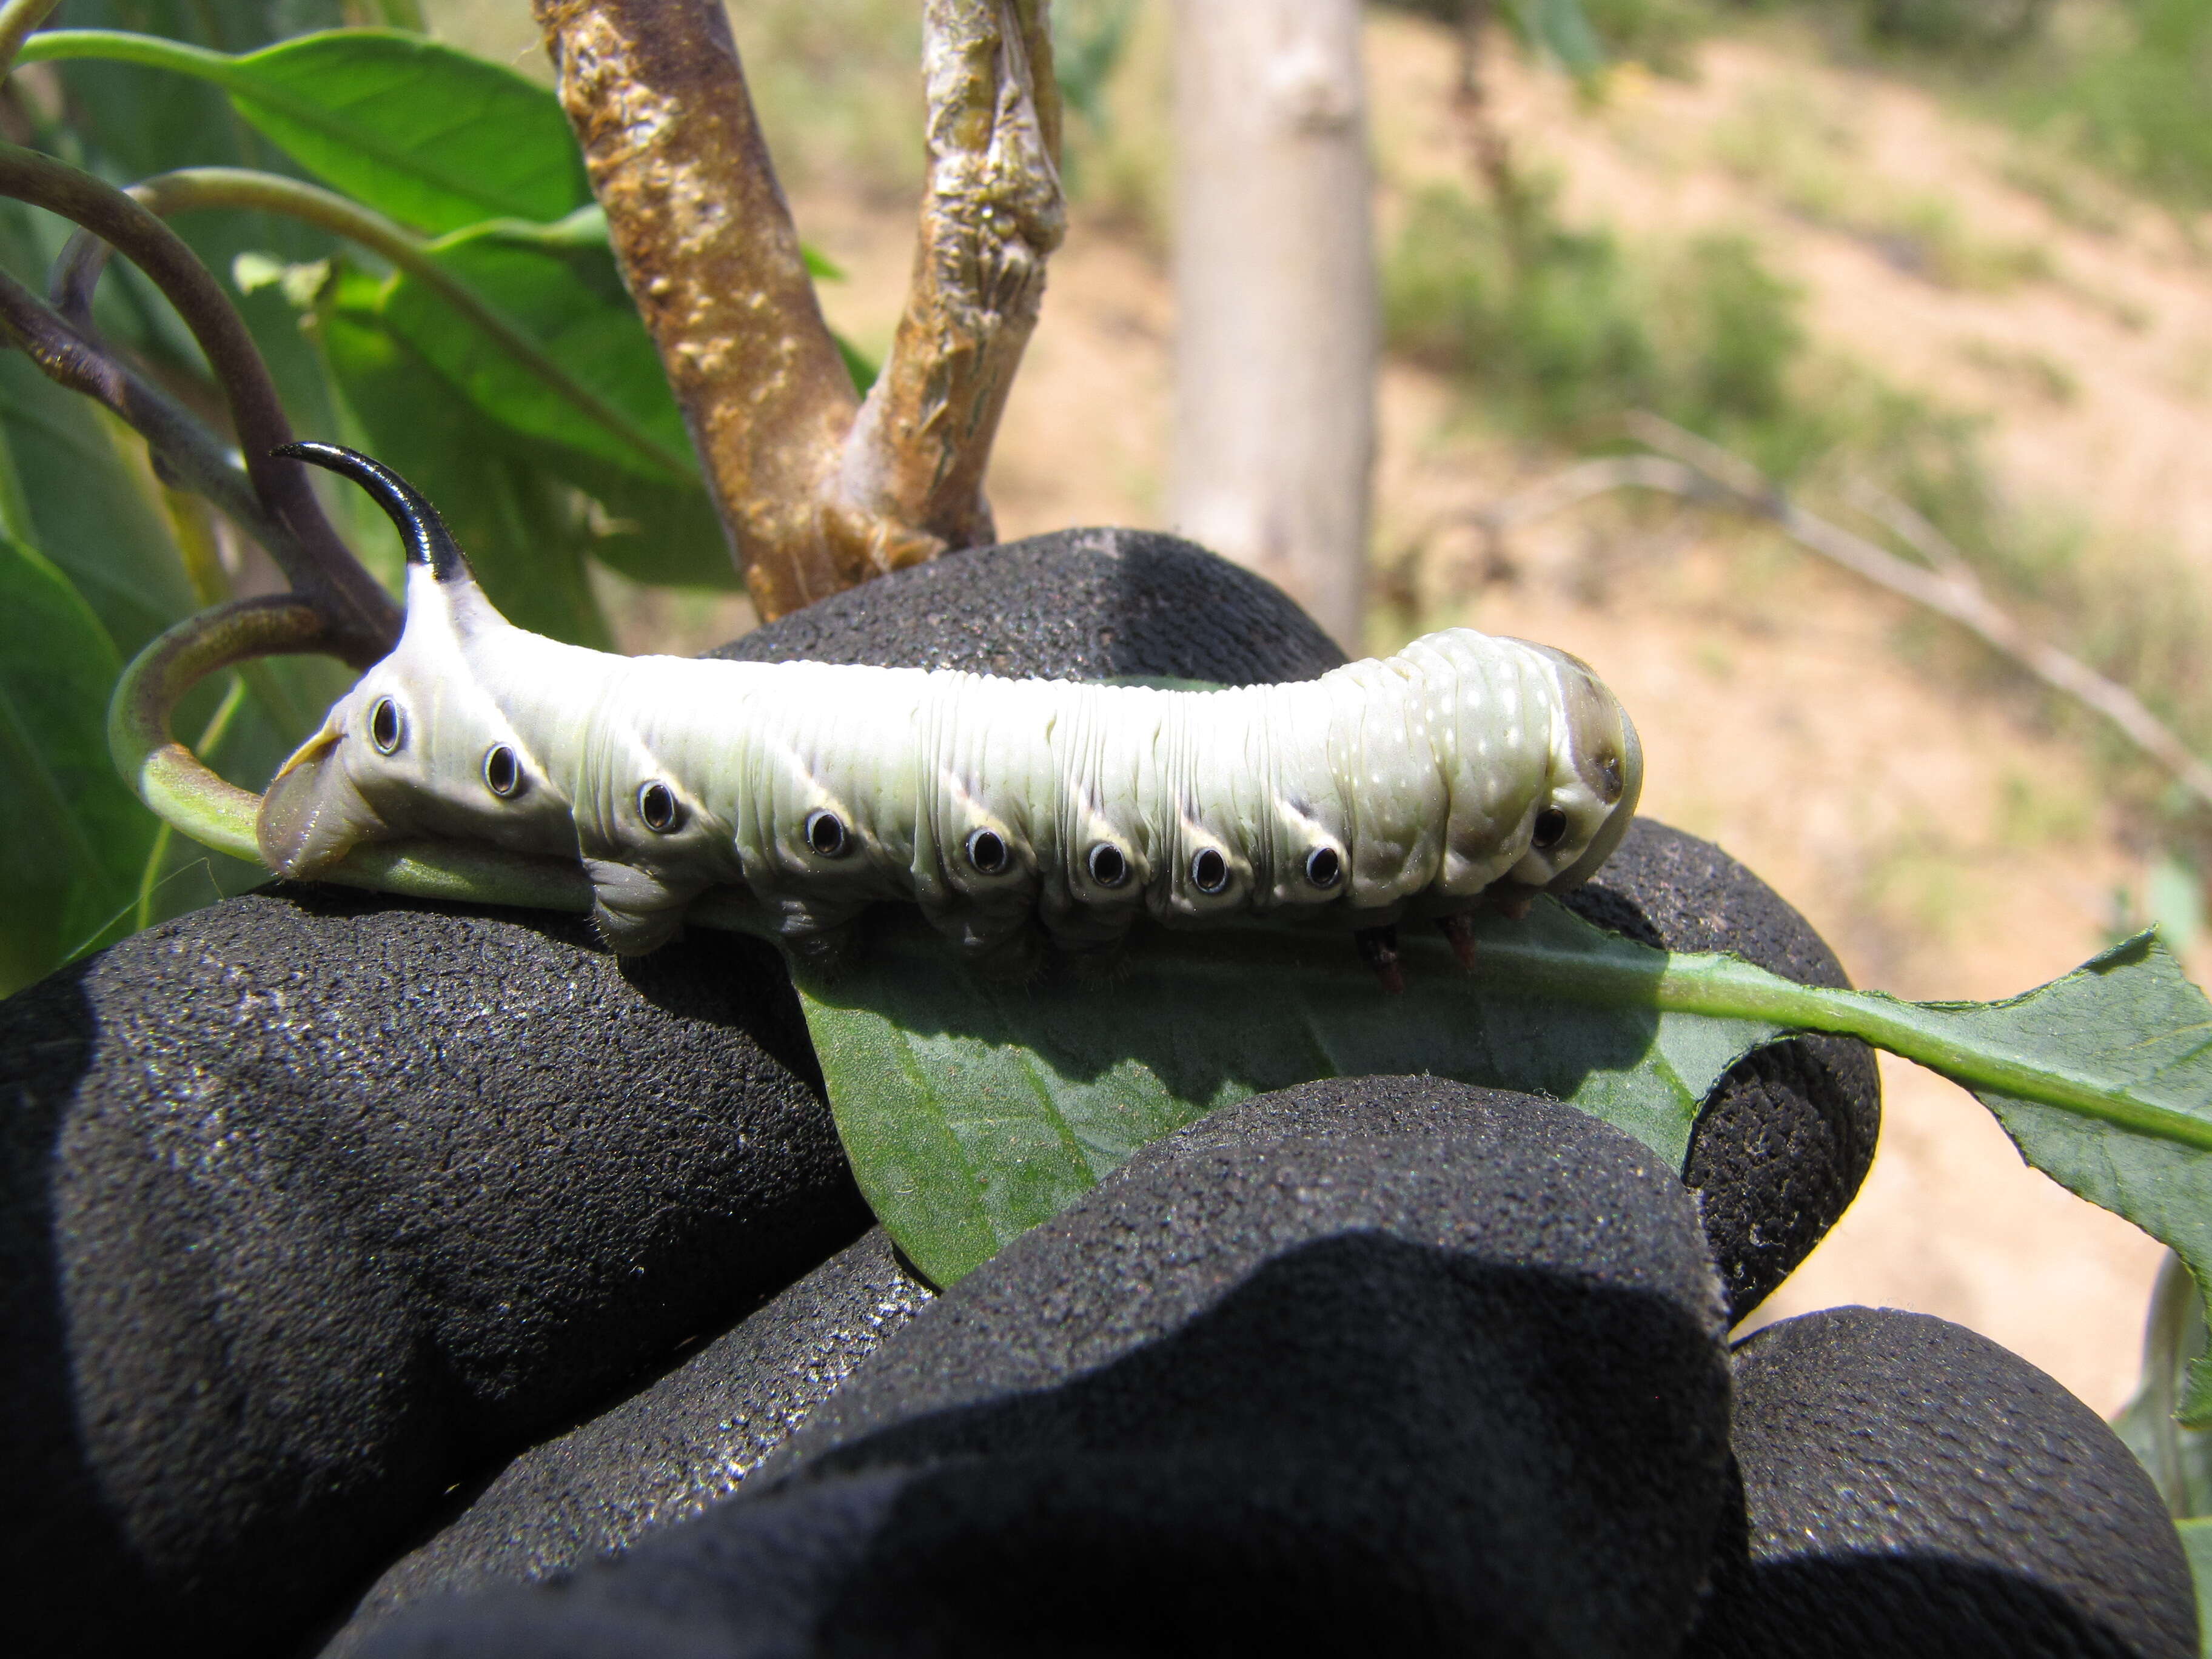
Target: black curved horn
x=428 y=542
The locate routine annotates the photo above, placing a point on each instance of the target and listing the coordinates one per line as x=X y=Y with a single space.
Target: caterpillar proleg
x=1466 y=770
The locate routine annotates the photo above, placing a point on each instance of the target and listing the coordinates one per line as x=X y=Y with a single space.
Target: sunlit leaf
x=433 y=136
x=569 y=299
x=77 y=837
x=973 y=1110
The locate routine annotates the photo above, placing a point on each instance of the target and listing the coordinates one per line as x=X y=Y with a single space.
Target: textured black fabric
x=316 y=1203
x=1785 y=1140
x=1077 y=605
x=1379 y=1364
x=672 y=1450
x=1911 y=1489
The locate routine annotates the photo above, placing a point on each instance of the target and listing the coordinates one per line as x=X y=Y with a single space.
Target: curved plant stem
x=17 y=19
x=364 y=620
x=122 y=46
x=185 y=793
x=166 y=776
x=211 y=736
x=191 y=188
x=183 y=449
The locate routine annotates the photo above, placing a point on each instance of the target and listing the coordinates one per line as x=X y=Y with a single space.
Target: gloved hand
x=318 y=1206
x=1380 y=1365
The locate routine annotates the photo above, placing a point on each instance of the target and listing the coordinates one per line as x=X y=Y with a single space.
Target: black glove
x=1382 y=1364
x=316 y=1205
x=1910 y=1488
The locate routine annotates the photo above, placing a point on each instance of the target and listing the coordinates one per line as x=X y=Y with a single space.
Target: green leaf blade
x=2129 y=1023
x=433 y=136
x=2103 y=1079
x=570 y=301
x=973 y=1110
x=78 y=837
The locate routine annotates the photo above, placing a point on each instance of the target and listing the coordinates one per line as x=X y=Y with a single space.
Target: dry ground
x=1916 y=808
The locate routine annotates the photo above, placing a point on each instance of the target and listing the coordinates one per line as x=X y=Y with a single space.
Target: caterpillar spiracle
x=1464 y=772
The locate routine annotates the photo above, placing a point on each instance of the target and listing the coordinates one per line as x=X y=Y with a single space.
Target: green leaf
x=973 y=1110
x=2131 y=1018
x=2197 y=1541
x=568 y=296
x=517 y=519
x=86 y=503
x=650 y=525
x=1560 y=28
x=434 y=137
x=77 y=837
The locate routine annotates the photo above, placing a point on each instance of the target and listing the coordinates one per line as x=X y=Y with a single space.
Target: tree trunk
x=1275 y=290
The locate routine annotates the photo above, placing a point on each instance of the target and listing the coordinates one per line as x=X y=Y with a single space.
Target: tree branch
x=992 y=214
x=184 y=452
x=1700 y=470
x=817 y=491
x=325 y=571
x=655 y=94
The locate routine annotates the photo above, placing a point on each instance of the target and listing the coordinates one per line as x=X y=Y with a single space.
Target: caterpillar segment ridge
x=1465 y=772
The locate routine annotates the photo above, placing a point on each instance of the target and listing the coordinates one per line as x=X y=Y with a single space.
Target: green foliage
x=2132 y=96
x=542 y=472
x=434 y=137
x=1555 y=329
x=973 y=1110
x=77 y=837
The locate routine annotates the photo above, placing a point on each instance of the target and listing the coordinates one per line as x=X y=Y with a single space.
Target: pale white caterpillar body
x=1466 y=768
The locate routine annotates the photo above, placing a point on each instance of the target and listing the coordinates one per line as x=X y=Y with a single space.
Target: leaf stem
x=211 y=736
x=363 y=619
x=190 y=454
x=17 y=19
x=1727 y=988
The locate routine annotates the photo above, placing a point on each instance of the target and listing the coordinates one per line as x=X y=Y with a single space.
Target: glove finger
x=1909 y=1487
x=1389 y=1361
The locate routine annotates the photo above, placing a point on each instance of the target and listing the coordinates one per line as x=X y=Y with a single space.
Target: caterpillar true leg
x=1378 y=949
x=1012 y=813
x=1459 y=928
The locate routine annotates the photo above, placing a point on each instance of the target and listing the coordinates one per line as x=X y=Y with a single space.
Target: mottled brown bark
x=992 y=214
x=818 y=491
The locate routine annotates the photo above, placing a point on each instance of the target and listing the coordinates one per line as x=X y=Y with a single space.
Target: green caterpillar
x=1464 y=771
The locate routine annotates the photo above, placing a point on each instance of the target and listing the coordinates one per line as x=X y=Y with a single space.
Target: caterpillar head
x=1587 y=799
x=415 y=748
